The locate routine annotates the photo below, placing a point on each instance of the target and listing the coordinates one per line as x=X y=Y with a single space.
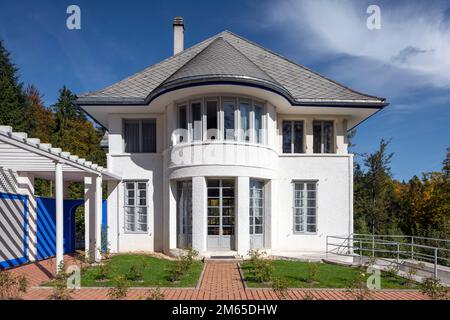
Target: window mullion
x=322 y=136
x=292 y=138
x=305 y=210
x=136 y=213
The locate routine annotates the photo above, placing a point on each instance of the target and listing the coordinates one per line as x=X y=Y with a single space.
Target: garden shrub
x=182 y=265
x=280 y=286
x=134 y=273
x=12 y=286
x=261 y=268
x=313 y=272
x=358 y=287
x=433 y=288
x=60 y=289
x=155 y=294
x=120 y=289
x=102 y=272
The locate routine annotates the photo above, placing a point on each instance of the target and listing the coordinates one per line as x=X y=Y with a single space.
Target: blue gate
x=46 y=226
x=13 y=230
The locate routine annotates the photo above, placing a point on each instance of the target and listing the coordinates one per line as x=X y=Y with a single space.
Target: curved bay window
x=221 y=118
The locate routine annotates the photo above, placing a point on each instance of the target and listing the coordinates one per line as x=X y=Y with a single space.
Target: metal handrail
x=363 y=243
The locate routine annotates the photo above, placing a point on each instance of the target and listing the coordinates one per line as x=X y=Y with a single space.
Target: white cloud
x=413 y=37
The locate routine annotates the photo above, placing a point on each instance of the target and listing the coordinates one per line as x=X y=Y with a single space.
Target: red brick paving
x=221 y=281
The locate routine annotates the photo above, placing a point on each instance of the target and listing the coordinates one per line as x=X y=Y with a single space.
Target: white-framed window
x=136 y=220
x=256 y=215
x=139 y=135
x=305 y=206
x=197 y=120
x=293 y=136
x=229 y=118
x=323 y=136
x=212 y=119
x=222 y=118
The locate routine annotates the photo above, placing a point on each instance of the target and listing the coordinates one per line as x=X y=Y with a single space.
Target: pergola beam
x=29 y=157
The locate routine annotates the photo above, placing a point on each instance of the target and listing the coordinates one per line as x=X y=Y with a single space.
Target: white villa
x=226 y=147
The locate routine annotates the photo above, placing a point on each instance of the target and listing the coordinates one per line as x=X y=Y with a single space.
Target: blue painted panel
x=104 y=225
x=24 y=259
x=46 y=226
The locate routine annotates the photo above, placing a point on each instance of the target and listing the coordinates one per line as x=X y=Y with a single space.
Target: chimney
x=178 y=35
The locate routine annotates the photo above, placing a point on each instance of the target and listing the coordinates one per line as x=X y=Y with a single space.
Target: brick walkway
x=221 y=280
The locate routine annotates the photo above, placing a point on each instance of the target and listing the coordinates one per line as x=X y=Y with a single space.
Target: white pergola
x=31 y=158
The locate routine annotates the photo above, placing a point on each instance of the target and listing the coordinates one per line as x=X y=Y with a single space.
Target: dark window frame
x=293 y=135
x=322 y=137
x=141 y=136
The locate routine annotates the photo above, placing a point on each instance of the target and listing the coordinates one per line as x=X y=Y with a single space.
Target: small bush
x=280 y=286
x=182 y=265
x=313 y=272
x=134 y=273
x=155 y=294
x=410 y=274
x=261 y=269
x=12 y=286
x=392 y=270
x=433 y=288
x=102 y=272
x=358 y=287
x=60 y=289
x=120 y=289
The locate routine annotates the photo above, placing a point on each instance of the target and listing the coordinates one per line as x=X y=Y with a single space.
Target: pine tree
x=13 y=106
x=373 y=190
x=446 y=164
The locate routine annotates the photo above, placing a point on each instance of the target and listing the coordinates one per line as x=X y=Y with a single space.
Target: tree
x=446 y=164
x=13 y=106
x=43 y=124
x=373 y=189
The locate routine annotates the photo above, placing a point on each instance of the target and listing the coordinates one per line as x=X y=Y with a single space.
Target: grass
x=329 y=276
x=155 y=273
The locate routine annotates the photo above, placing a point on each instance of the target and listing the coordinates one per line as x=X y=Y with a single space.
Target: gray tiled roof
x=228 y=56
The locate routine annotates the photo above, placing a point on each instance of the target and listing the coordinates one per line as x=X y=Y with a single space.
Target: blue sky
x=407 y=60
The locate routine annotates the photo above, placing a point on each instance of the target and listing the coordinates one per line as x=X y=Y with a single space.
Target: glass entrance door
x=221 y=214
x=256 y=214
x=184 y=214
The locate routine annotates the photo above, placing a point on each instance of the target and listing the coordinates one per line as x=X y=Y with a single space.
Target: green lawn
x=329 y=276
x=155 y=272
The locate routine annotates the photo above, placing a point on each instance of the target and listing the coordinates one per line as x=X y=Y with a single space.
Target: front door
x=221 y=214
x=256 y=214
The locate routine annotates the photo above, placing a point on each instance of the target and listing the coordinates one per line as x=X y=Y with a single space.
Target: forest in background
x=382 y=204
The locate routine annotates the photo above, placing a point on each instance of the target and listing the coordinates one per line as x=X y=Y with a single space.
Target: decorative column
x=113 y=205
x=98 y=218
x=242 y=221
x=199 y=214
x=59 y=214
x=89 y=218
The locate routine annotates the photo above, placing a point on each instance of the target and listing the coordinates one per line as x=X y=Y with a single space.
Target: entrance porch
x=220 y=216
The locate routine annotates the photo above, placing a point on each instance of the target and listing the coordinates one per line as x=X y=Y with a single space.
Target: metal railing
x=394 y=249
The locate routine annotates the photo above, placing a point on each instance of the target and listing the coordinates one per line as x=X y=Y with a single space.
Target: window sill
x=136 y=233
x=305 y=233
x=133 y=154
x=314 y=155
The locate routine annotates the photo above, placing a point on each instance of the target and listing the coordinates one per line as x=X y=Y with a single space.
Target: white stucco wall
x=333 y=201
x=137 y=167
